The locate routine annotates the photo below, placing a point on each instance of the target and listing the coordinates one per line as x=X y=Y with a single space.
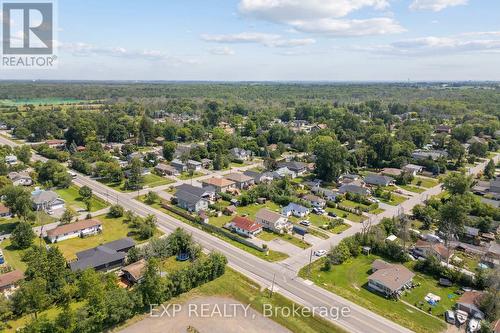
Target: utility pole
x=309 y=266
x=272 y=286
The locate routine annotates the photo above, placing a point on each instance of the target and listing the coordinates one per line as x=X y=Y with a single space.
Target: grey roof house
x=379 y=180
x=46 y=200
x=104 y=257
x=355 y=189
x=191 y=199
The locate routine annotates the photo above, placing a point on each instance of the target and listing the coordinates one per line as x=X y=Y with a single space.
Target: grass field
x=43 y=101
x=13 y=256
x=413 y=189
x=395 y=199
x=113 y=229
x=347 y=215
x=349 y=281
x=186 y=175
x=424 y=182
x=150 y=181
x=73 y=199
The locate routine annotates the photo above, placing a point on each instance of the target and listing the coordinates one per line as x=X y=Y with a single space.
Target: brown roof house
x=166 y=170
x=273 y=221
x=4 y=211
x=426 y=249
x=82 y=229
x=469 y=302
x=242 y=181
x=10 y=280
x=134 y=272
x=220 y=184
x=244 y=226
x=389 y=279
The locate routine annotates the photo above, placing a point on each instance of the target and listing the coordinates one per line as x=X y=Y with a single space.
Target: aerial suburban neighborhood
x=250 y=166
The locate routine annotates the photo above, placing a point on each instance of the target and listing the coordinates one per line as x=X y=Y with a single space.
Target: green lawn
x=340 y=228
x=295 y=241
x=249 y=210
x=73 y=199
x=349 y=281
x=12 y=255
x=347 y=215
x=395 y=199
x=186 y=175
x=267 y=236
x=150 y=181
x=424 y=182
x=113 y=229
x=352 y=204
x=413 y=189
x=377 y=211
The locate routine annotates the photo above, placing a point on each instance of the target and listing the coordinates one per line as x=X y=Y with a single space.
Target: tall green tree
x=331 y=160
x=22 y=236
x=18 y=200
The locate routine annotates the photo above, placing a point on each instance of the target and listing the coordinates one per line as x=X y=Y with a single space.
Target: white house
x=315 y=201
x=46 y=200
x=295 y=210
x=82 y=228
x=11 y=159
x=273 y=221
x=20 y=179
x=245 y=227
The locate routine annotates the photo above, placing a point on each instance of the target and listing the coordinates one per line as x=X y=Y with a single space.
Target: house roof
x=188 y=197
x=195 y=190
x=471 y=231
x=268 y=215
x=245 y=223
x=350 y=188
x=293 y=165
x=297 y=207
x=73 y=227
x=165 y=167
x=471 y=299
x=10 y=278
x=136 y=269
x=218 y=182
x=380 y=264
x=436 y=247
x=238 y=177
x=4 y=209
x=378 y=179
x=103 y=254
x=393 y=276
x=40 y=197
x=313 y=198
x=413 y=167
x=392 y=171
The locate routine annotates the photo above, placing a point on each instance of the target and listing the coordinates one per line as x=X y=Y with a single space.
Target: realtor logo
x=28 y=34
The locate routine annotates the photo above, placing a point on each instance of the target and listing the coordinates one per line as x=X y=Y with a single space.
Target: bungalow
x=11 y=159
x=241 y=180
x=191 y=200
x=20 y=179
x=471 y=235
x=220 y=184
x=492 y=256
x=393 y=172
x=4 y=211
x=355 y=189
x=166 y=170
x=272 y=221
x=379 y=180
x=207 y=193
x=429 y=154
x=179 y=165
x=299 y=168
x=284 y=172
x=413 y=169
x=134 y=272
x=240 y=154
x=295 y=210
x=9 y=281
x=426 y=249
x=194 y=165
x=104 y=257
x=315 y=201
x=327 y=194
x=244 y=226
x=389 y=279
x=469 y=302
x=144 y=172
x=206 y=163
x=46 y=200
x=259 y=177
x=81 y=228
x=57 y=144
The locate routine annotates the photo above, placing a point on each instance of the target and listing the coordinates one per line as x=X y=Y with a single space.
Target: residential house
x=4 y=211
x=194 y=165
x=241 y=180
x=476 y=139
x=389 y=279
x=20 y=179
x=284 y=172
x=240 y=154
x=429 y=154
x=56 y=144
x=179 y=165
x=471 y=235
x=166 y=170
x=295 y=210
x=492 y=256
x=191 y=202
x=273 y=221
x=379 y=180
x=469 y=302
x=134 y=272
x=314 y=200
x=9 y=281
x=392 y=172
x=144 y=172
x=136 y=154
x=206 y=163
x=259 y=177
x=244 y=226
x=207 y=192
x=355 y=189
x=426 y=249
x=220 y=184
x=11 y=159
x=413 y=169
x=327 y=194
x=299 y=168
x=81 y=228
x=104 y=257
x=46 y=200
x=443 y=129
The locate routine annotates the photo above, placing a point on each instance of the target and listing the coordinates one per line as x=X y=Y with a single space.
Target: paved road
x=283 y=274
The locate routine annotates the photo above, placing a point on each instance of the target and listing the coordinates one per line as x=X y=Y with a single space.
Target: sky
x=274 y=40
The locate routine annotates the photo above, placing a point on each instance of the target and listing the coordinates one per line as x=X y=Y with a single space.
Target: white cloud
x=289 y=10
x=84 y=49
x=344 y=27
x=434 y=46
x=436 y=5
x=269 y=40
x=323 y=16
x=226 y=51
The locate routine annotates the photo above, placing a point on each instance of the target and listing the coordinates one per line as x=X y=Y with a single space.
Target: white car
x=319 y=253
x=305 y=223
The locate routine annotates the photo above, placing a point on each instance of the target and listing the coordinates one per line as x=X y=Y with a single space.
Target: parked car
x=305 y=223
x=318 y=211
x=319 y=253
x=72 y=174
x=450 y=317
x=332 y=214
